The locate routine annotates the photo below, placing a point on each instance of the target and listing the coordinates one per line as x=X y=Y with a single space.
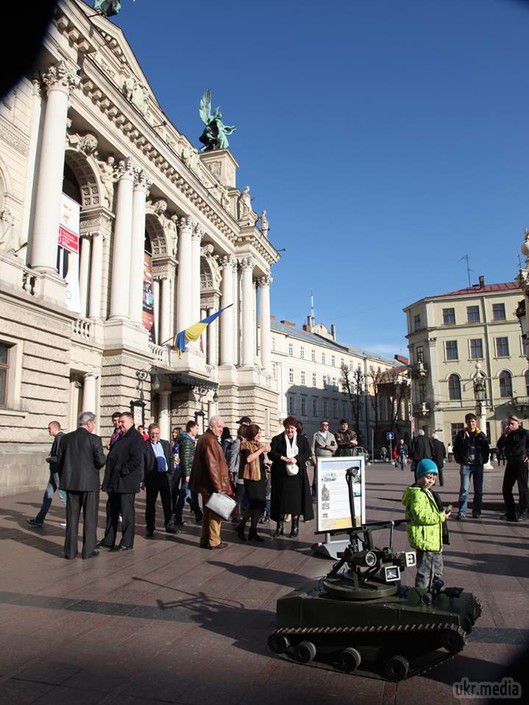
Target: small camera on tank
x=391 y=573
x=411 y=559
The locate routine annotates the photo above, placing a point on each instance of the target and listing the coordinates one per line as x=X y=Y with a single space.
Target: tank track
x=392 y=629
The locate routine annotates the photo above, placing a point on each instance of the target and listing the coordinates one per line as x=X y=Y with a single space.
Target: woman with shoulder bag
x=252 y=470
x=289 y=454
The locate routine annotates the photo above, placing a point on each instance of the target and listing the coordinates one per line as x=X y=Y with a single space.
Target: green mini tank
x=359 y=618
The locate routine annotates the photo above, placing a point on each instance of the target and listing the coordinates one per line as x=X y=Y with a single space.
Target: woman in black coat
x=290 y=483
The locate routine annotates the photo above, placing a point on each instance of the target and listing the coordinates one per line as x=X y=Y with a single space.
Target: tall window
x=502 y=347
x=449 y=316
x=303 y=406
x=291 y=376
x=333 y=361
x=505 y=384
x=527 y=382
x=454 y=430
x=290 y=350
x=303 y=378
x=314 y=380
x=498 y=312
x=451 y=350
x=419 y=353
x=291 y=404
x=417 y=322
x=323 y=358
x=313 y=355
x=476 y=349
x=454 y=387
x=4 y=367
x=302 y=353
x=473 y=314
x=314 y=406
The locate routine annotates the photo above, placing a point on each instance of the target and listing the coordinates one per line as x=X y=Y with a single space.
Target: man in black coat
x=421 y=448
x=54 y=429
x=158 y=480
x=123 y=477
x=80 y=459
x=439 y=455
x=514 y=444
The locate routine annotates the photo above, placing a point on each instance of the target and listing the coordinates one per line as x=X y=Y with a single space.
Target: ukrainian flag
x=195 y=331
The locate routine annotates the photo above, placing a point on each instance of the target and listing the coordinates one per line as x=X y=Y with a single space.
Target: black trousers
x=158 y=483
x=89 y=503
x=515 y=472
x=117 y=504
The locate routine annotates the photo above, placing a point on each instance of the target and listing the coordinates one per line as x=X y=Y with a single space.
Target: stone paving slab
x=171 y=623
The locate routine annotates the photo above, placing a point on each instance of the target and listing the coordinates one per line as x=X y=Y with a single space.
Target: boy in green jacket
x=425 y=524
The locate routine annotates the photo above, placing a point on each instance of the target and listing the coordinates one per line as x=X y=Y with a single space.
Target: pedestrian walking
x=158 y=480
x=188 y=441
x=402 y=454
x=175 y=459
x=425 y=519
x=210 y=474
x=514 y=444
x=123 y=476
x=80 y=460
x=450 y=452
x=290 y=493
x=253 y=472
x=233 y=460
x=471 y=451
x=439 y=455
x=345 y=439
x=54 y=430
x=116 y=433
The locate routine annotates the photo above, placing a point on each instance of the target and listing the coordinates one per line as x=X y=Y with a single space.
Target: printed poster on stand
x=333 y=512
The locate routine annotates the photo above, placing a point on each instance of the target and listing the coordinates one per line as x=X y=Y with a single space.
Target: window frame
x=451 y=359
x=508 y=375
x=499 y=318
x=454 y=375
x=449 y=323
x=506 y=339
x=475 y=340
x=475 y=308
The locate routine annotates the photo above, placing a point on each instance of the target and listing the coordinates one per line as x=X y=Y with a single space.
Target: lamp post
x=479 y=381
x=137 y=406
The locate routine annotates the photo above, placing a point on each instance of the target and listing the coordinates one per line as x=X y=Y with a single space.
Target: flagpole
x=172 y=337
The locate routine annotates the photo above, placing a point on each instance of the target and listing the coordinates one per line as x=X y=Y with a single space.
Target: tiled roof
x=477 y=289
x=315 y=339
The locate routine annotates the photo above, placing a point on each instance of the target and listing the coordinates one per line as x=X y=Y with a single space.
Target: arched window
x=454 y=388
x=527 y=383
x=505 y=384
x=70 y=184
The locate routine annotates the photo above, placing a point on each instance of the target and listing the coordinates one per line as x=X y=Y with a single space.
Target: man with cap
x=514 y=442
x=233 y=466
x=425 y=517
x=471 y=451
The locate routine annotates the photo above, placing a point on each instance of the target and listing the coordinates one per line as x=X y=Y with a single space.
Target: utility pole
x=467 y=258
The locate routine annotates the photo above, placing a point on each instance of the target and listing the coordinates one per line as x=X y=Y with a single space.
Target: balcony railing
x=83 y=328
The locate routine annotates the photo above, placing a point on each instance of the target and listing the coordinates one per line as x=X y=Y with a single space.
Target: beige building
x=115 y=234
x=307 y=365
x=457 y=337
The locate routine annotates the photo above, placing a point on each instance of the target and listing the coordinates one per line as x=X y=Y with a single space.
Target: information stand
x=333 y=514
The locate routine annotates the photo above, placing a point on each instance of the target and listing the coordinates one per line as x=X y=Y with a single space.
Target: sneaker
x=63 y=524
x=34 y=523
x=476 y=515
x=460 y=517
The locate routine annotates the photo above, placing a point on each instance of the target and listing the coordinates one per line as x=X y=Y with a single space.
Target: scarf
x=468 y=430
x=292 y=446
x=252 y=471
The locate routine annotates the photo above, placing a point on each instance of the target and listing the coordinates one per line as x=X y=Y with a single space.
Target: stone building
x=307 y=365
x=115 y=234
x=454 y=336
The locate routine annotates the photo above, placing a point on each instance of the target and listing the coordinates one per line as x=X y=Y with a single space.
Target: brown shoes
x=220 y=545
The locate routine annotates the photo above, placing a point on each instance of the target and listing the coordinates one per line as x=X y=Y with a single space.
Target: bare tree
x=352 y=383
x=375 y=380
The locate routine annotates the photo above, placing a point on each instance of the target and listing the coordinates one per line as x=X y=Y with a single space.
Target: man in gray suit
x=80 y=460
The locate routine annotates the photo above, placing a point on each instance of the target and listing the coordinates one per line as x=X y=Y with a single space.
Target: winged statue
x=215 y=134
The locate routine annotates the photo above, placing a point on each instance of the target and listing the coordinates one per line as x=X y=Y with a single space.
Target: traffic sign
x=390 y=435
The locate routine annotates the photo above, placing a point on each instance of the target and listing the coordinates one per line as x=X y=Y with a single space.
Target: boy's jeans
x=476 y=471
x=429 y=566
x=53 y=485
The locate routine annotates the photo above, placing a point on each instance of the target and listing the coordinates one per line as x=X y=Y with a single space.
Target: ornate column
x=59 y=80
x=164 y=415
x=248 y=318
x=156 y=309
x=90 y=393
x=196 y=237
x=266 y=336
x=226 y=323
x=236 y=352
x=139 y=194
x=165 y=310
x=213 y=338
x=184 y=282
x=121 y=253
x=84 y=271
x=96 y=278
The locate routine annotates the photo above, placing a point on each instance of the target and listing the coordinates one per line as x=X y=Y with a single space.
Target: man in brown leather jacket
x=210 y=474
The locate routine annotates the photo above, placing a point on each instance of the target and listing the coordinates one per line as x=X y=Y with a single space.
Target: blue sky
x=385 y=138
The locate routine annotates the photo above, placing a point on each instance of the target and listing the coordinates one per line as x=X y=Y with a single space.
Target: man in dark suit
x=439 y=455
x=123 y=477
x=158 y=480
x=80 y=459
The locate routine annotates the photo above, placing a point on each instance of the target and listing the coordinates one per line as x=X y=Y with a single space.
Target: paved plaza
x=171 y=623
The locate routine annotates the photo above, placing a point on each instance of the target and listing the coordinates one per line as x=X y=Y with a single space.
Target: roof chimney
x=333 y=331
x=481 y=281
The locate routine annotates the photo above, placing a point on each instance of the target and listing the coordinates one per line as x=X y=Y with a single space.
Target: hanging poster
x=148 y=296
x=334 y=511
x=68 y=250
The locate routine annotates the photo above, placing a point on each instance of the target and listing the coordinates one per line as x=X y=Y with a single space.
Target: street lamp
x=479 y=381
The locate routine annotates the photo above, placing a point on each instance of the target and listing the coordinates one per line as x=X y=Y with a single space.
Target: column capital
x=125 y=169
x=247 y=263
x=185 y=223
x=142 y=180
x=265 y=280
x=226 y=261
x=60 y=76
x=198 y=232
x=90 y=375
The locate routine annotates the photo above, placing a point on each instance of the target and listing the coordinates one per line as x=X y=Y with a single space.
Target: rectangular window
x=302 y=353
x=313 y=355
x=498 y=312
x=473 y=314
x=502 y=347
x=451 y=350
x=291 y=405
x=314 y=406
x=303 y=406
x=333 y=361
x=303 y=378
x=290 y=350
x=342 y=362
x=449 y=316
x=454 y=429
x=525 y=345
x=419 y=353
x=323 y=358
x=417 y=322
x=476 y=349
x=291 y=376
x=314 y=380
x=4 y=371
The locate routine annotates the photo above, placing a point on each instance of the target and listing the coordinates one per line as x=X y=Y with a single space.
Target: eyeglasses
x=154 y=434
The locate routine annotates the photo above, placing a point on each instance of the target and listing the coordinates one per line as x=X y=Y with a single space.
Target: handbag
x=221 y=504
x=292 y=469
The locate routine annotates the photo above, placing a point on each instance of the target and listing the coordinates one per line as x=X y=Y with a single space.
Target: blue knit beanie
x=425 y=467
